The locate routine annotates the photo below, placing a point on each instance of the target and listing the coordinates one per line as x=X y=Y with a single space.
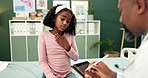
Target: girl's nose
x=65 y=22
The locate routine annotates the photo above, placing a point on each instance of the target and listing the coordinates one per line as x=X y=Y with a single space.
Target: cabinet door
x=94 y=52
x=18 y=48
x=80 y=41
x=32 y=48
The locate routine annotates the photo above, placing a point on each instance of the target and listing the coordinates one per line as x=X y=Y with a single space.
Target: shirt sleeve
x=73 y=53
x=42 y=54
x=120 y=75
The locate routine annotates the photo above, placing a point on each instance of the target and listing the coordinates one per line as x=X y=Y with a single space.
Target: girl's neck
x=55 y=32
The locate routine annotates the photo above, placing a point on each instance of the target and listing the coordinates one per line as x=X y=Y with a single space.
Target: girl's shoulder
x=44 y=33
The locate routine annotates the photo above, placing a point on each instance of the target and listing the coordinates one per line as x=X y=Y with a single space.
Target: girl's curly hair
x=50 y=17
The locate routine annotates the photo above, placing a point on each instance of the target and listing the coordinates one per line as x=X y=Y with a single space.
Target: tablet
x=80 y=67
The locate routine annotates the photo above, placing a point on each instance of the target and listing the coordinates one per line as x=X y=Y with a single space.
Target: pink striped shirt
x=54 y=59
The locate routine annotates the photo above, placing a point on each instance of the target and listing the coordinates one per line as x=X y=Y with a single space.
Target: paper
x=41 y=4
x=24 y=5
x=3 y=65
x=91 y=28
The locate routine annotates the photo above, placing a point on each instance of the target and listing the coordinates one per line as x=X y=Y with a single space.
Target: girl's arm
x=43 y=61
x=70 y=49
x=73 y=53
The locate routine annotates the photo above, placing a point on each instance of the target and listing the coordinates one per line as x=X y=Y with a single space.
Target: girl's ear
x=54 y=18
x=141 y=5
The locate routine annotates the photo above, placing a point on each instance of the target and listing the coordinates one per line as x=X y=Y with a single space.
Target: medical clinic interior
x=98 y=31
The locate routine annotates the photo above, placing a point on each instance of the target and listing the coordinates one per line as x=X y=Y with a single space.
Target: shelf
x=25 y=27
x=85 y=34
x=23 y=41
x=88 y=27
x=23 y=35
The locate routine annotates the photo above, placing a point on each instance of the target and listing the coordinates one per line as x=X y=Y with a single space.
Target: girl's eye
x=62 y=19
x=68 y=21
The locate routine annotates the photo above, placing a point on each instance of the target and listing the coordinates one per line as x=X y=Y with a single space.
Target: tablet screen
x=80 y=67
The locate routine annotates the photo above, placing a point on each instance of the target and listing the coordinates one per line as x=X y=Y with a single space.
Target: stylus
x=97 y=62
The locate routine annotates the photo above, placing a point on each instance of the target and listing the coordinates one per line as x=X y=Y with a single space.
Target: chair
x=131 y=53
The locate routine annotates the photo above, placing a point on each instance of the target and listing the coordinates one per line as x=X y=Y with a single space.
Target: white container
x=90 y=17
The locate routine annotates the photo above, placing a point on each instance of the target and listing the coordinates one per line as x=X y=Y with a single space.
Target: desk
x=33 y=70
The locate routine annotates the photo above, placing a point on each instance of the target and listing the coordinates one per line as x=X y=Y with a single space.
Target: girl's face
x=62 y=21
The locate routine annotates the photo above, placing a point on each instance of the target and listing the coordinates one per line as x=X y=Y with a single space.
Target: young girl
x=57 y=46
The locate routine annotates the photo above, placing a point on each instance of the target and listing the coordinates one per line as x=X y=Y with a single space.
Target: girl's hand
x=62 y=41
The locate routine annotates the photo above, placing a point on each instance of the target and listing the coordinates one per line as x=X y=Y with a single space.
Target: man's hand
x=89 y=74
x=62 y=41
x=101 y=70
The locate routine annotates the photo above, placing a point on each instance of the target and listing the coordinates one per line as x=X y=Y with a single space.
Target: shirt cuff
x=120 y=75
